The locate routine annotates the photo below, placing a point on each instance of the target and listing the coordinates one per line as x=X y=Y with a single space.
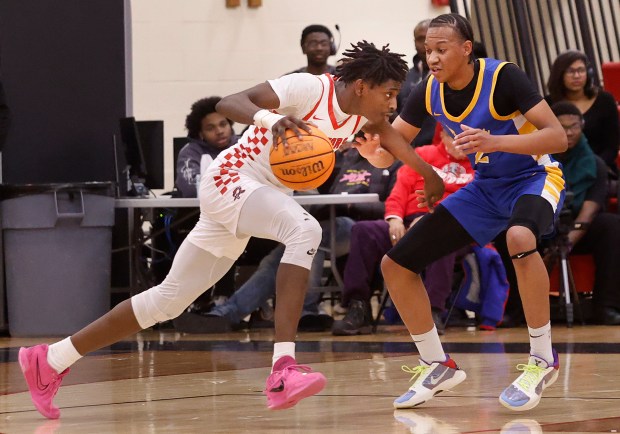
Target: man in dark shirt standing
x=419 y=71
x=317 y=43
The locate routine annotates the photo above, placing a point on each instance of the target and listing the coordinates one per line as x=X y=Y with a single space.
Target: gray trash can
x=57 y=249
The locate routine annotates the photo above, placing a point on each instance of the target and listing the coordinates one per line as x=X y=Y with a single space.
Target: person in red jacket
x=371 y=239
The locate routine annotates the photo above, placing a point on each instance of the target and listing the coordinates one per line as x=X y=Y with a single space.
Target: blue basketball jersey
x=480 y=113
x=484 y=206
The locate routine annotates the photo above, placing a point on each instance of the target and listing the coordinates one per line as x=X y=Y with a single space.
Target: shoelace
x=530 y=376
x=300 y=367
x=418 y=372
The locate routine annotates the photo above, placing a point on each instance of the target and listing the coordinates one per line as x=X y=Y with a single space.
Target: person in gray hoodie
x=208 y=133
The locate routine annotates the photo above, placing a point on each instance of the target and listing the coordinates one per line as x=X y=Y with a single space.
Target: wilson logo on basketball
x=305 y=170
x=305 y=163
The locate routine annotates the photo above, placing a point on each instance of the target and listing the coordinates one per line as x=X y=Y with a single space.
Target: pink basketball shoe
x=43 y=381
x=289 y=383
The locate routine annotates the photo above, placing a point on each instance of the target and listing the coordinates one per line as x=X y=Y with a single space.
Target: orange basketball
x=304 y=164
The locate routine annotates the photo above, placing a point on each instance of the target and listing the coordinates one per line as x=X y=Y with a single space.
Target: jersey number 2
x=481 y=158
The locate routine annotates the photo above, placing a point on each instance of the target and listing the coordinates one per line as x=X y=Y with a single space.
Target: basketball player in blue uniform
x=507 y=130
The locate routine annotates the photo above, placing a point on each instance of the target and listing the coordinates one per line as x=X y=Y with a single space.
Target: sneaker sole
x=312 y=389
x=458 y=378
x=532 y=403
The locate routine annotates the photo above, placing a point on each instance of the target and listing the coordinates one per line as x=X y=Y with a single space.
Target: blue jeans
x=261 y=286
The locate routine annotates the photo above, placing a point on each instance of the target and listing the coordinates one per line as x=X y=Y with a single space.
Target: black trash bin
x=57 y=249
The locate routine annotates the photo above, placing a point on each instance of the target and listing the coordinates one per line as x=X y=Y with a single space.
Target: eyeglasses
x=576 y=71
x=575 y=128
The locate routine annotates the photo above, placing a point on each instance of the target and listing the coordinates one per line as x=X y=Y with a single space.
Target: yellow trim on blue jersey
x=554 y=183
x=491 y=106
x=527 y=128
x=429 y=86
x=473 y=101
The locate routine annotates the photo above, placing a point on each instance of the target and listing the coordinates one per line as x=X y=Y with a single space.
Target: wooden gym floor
x=161 y=381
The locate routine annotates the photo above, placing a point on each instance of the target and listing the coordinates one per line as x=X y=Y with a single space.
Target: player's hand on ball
x=473 y=140
x=288 y=123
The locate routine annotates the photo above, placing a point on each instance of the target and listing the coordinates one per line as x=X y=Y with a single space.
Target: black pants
x=602 y=241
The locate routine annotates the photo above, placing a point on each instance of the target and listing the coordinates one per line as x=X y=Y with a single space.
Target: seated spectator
x=356 y=175
x=591 y=231
x=370 y=240
x=594 y=231
x=570 y=79
x=208 y=133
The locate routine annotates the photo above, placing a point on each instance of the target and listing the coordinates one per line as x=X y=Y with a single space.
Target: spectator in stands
x=416 y=74
x=357 y=175
x=317 y=43
x=570 y=79
x=208 y=133
x=370 y=240
x=419 y=71
x=593 y=231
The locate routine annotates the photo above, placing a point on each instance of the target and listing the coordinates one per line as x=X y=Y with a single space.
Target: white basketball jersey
x=304 y=96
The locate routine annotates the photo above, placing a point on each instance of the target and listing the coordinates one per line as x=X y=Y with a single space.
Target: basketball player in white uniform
x=240 y=197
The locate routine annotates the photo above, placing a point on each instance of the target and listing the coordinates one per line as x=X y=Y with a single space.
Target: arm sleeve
x=414 y=112
x=514 y=91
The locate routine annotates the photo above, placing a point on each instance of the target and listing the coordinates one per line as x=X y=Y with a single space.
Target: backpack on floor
x=484 y=289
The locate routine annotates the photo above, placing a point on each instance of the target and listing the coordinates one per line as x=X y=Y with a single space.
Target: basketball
x=305 y=164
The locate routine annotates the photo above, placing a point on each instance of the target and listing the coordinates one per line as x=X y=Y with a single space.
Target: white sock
x=540 y=342
x=281 y=349
x=62 y=354
x=429 y=346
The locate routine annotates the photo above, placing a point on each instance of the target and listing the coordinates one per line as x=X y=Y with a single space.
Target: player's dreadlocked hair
x=364 y=60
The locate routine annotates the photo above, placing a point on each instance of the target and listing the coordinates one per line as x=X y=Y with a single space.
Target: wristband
x=266 y=119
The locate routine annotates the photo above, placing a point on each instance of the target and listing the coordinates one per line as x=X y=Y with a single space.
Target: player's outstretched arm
x=370 y=148
x=398 y=145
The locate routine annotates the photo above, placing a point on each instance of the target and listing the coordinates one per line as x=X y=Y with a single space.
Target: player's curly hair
x=364 y=60
x=199 y=110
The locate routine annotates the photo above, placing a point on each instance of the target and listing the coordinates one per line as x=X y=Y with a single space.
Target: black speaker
x=151 y=135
